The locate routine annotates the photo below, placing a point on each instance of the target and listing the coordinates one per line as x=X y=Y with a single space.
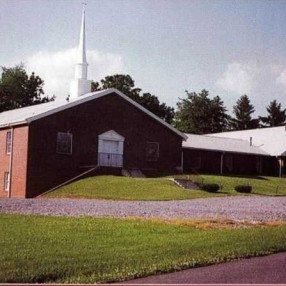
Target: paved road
x=251 y=208
x=269 y=269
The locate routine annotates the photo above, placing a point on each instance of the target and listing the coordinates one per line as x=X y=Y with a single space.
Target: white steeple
x=80 y=85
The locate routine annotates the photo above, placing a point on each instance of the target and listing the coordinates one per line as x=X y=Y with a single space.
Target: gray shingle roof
x=26 y=115
x=214 y=143
x=271 y=139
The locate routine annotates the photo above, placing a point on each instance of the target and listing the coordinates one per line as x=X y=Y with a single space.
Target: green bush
x=213 y=188
x=243 y=189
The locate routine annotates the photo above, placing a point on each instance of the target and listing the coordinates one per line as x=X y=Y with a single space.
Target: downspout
x=182 y=161
x=11 y=162
x=221 y=163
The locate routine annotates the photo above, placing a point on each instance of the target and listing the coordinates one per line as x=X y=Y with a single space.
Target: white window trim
x=8 y=152
x=71 y=149
x=158 y=153
x=6 y=181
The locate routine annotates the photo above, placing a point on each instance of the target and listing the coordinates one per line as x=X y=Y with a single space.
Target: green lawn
x=124 y=188
x=144 y=189
x=85 y=250
x=260 y=185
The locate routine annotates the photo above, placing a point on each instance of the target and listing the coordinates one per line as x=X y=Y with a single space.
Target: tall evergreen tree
x=276 y=115
x=126 y=84
x=243 y=111
x=199 y=114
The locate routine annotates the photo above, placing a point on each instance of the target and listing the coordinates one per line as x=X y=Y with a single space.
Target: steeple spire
x=80 y=85
x=81 y=47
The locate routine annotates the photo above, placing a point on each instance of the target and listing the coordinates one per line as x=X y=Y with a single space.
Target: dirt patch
x=213 y=223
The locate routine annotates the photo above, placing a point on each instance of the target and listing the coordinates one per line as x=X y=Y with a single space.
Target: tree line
x=197 y=113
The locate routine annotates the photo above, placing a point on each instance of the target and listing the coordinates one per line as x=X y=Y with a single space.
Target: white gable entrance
x=110 y=149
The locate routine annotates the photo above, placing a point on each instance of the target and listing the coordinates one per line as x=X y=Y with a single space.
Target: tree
x=276 y=116
x=200 y=115
x=243 y=111
x=126 y=84
x=152 y=103
x=17 y=89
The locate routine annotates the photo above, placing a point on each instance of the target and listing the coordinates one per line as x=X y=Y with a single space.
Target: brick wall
x=19 y=161
x=4 y=161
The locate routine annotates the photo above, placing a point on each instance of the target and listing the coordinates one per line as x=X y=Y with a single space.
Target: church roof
x=29 y=114
x=271 y=139
x=214 y=143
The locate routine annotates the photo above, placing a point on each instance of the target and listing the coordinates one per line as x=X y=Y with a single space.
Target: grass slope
x=123 y=188
x=260 y=185
x=145 y=189
x=86 y=250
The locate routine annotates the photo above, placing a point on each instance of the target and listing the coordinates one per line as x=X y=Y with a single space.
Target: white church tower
x=80 y=85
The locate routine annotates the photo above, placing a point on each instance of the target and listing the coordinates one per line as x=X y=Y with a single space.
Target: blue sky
x=227 y=47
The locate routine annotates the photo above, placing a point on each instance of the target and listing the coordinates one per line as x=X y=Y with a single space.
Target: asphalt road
x=270 y=269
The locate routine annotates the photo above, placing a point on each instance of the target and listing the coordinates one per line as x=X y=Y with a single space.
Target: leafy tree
x=17 y=89
x=152 y=103
x=243 y=111
x=199 y=114
x=122 y=82
x=276 y=115
x=126 y=84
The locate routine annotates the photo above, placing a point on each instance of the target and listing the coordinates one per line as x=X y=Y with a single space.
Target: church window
x=152 y=151
x=6 y=181
x=8 y=142
x=64 y=143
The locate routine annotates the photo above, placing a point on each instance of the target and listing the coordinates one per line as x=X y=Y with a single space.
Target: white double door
x=110 y=150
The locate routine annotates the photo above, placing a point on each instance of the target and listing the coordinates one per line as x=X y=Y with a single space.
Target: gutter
x=23 y=122
x=221 y=150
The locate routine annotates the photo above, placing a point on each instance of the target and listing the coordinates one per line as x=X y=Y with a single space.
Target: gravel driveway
x=253 y=208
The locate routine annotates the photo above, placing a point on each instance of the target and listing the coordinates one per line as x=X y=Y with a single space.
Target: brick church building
x=44 y=145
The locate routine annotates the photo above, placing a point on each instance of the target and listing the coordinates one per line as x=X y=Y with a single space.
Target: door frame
x=110 y=135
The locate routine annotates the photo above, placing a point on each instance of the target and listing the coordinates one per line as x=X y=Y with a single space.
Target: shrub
x=213 y=188
x=243 y=189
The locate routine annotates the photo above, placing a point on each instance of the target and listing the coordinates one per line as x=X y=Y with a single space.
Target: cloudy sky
x=229 y=47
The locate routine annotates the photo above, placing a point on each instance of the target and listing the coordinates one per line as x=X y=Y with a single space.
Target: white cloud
x=253 y=78
x=262 y=81
x=281 y=79
x=57 y=68
x=238 y=78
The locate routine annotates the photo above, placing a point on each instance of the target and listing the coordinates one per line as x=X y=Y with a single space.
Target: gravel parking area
x=252 y=208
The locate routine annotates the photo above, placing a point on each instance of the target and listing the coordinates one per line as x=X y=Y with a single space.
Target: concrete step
x=133 y=173
x=186 y=184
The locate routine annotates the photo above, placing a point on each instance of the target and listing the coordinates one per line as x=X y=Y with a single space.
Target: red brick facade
x=19 y=157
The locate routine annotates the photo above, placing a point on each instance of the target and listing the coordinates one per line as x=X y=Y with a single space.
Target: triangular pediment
x=111 y=135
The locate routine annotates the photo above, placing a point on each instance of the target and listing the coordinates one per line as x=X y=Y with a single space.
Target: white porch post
x=280 y=166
